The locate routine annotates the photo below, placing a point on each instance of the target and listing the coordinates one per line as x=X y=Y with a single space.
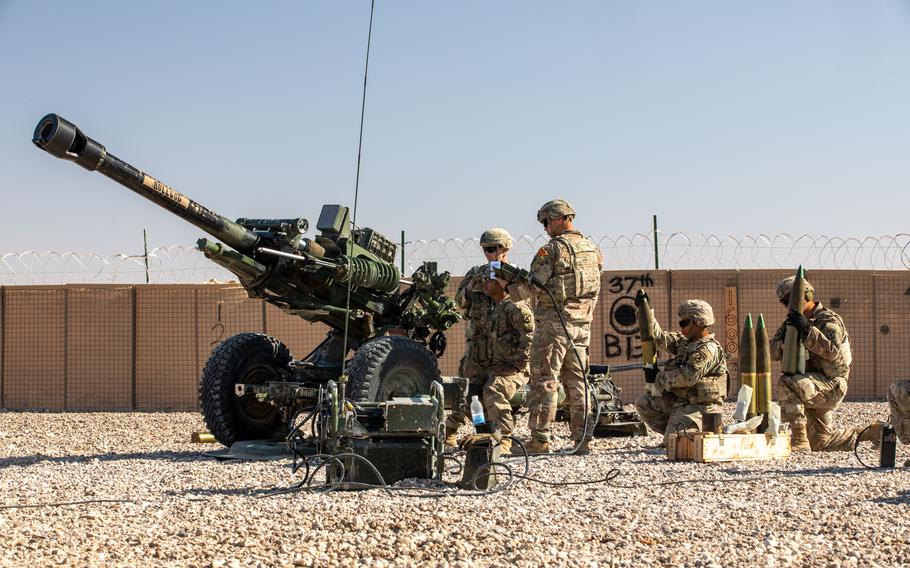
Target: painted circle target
x=623 y=316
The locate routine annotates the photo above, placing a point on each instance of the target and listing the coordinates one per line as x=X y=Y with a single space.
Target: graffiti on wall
x=731 y=330
x=623 y=338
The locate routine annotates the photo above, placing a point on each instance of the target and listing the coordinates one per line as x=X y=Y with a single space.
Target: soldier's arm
x=462 y=295
x=541 y=270
x=827 y=340
x=776 y=343
x=521 y=291
x=687 y=375
x=667 y=341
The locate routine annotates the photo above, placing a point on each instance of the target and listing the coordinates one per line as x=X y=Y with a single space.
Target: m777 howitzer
x=251 y=387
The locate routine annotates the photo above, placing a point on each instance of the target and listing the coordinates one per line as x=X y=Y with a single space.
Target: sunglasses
x=491 y=249
x=684 y=323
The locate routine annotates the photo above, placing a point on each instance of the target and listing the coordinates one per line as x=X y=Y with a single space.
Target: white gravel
x=150 y=499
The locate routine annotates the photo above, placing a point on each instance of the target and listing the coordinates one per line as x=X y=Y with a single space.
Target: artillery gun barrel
x=63 y=139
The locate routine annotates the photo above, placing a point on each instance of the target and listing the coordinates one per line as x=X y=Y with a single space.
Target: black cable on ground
x=585 y=435
x=856 y=448
x=307 y=483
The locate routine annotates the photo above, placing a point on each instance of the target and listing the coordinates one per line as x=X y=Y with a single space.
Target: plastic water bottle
x=477 y=412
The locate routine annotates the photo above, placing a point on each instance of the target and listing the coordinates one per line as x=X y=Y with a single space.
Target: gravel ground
x=149 y=498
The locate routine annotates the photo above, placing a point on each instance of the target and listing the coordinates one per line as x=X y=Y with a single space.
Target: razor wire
x=175 y=264
x=179 y=264
x=679 y=251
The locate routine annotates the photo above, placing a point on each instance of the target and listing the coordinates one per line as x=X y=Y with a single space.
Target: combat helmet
x=699 y=311
x=554 y=209
x=496 y=236
x=785 y=286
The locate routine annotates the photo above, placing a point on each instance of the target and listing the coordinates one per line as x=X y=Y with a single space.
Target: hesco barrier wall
x=142 y=347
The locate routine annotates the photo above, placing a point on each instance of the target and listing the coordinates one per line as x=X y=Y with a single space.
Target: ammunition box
x=415 y=414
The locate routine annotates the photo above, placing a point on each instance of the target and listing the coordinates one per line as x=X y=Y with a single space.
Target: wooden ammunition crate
x=709 y=447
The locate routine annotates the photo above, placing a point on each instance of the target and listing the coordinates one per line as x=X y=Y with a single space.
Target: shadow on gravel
x=224 y=491
x=161 y=455
x=902 y=498
x=824 y=471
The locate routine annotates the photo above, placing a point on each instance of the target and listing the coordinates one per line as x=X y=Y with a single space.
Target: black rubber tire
x=391 y=366
x=251 y=358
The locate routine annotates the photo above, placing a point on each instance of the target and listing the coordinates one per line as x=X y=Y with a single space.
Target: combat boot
x=871 y=433
x=799 y=441
x=537 y=447
x=451 y=437
x=583 y=449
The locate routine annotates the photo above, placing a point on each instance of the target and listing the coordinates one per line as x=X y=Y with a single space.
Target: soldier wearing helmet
x=482 y=361
x=808 y=400
x=693 y=381
x=568 y=267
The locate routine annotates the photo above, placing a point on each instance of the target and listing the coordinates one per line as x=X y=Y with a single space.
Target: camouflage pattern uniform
x=810 y=399
x=477 y=308
x=899 y=402
x=694 y=381
x=569 y=266
x=512 y=327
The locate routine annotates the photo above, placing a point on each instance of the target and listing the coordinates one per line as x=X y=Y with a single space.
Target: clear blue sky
x=720 y=117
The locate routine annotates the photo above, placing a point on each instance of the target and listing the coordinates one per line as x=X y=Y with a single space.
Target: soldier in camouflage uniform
x=568 y=267
x=808 y=400
x=477 y=307
x=511 y=330
x=694 y=381
x=899 y=402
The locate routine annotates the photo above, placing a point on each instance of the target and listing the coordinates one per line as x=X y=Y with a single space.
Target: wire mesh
x=119 y=347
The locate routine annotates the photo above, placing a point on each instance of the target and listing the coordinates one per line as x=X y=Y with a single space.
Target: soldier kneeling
x=693 y=381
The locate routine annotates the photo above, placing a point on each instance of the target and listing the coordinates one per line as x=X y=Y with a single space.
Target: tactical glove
x=799 y=321
x=651 y=373
x=641 y=297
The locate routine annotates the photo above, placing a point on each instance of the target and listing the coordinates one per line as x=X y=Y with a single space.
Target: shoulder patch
x=543 y=252
x=700 y=357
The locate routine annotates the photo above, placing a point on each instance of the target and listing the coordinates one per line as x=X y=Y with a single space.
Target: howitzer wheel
x=391 y=366
x=249 y=358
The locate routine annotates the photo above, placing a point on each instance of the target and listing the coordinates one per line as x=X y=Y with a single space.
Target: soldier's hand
x=651 y=373
x=798 y=321
x=641 y=297
x=509 y=272
x=497 y=271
